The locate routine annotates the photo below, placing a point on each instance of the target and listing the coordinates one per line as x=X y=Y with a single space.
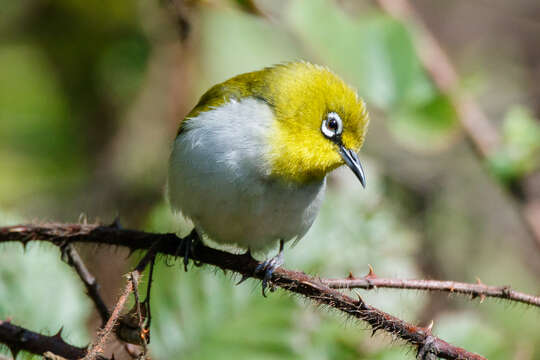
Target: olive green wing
x=236 y=88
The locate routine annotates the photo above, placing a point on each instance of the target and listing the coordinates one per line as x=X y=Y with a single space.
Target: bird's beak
x=352 y=161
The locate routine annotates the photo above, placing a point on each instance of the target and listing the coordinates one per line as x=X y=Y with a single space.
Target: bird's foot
x=269 y=266
x=186 y=247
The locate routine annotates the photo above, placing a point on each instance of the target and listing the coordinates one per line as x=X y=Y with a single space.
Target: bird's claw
x=186 y=247
x=268 y=267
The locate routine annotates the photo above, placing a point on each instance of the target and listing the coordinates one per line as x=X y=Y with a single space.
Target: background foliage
x=90 y=97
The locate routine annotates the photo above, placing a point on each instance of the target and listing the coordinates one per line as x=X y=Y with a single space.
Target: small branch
x=141 y=330
x=480 y=290
x=98 y=345
x=133 y=277
x=292 y=281
x=89 y=281
x=17 y=338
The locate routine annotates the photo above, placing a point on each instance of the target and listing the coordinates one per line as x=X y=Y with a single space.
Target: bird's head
x=320 y=122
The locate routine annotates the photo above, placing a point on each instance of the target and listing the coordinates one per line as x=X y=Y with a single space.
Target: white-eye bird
x=249 y=163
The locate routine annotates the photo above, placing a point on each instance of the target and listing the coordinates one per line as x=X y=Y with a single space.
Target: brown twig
x=292 y=281
x=89 y=281
x=146 y=301
x=17 y=338
x=98 y=345
x=141 y=329
x=133 y=279
x=371 y=281
x=478 y=129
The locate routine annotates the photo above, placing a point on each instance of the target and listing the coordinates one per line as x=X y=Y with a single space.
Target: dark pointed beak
x=352 y=161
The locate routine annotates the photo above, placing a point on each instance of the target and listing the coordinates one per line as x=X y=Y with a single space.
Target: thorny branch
x=17 y=338
x=98 y=346
x=54 y=347
x=293 y=281
x=478 y=290
x=92 y=288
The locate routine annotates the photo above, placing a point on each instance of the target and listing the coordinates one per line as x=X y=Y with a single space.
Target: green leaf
x=520 y=152
x=429 y=126
x=121 y=68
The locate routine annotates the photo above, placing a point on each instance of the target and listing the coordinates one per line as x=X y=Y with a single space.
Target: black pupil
x=332 y=124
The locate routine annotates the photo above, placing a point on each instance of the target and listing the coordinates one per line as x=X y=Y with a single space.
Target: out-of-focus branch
x=479 y=290
x=292 y=281
x=89 y=281
x=17 y=338
x=481 y=133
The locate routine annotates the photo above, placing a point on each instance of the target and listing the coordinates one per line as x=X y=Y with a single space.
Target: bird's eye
x=332 y=125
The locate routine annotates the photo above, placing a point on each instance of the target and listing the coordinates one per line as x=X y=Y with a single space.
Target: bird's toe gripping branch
x=267 y=267
x=187 y=244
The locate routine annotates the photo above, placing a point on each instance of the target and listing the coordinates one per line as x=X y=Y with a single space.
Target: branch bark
x=17 y=338
x=98 y=345
x=293 y=281
x=89 y=281
x=482 y=291
x=112 y=321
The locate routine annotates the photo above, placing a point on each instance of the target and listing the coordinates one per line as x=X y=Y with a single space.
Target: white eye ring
x=332 y=125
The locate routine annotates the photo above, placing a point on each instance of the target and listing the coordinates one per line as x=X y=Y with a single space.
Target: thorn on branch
x=58 y=334
x=476 y=293
x=371 y=273
x=428 y=328
x=116 y=224
x=369 y=277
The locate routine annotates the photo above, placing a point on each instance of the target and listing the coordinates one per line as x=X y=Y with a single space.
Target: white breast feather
x=219 y=179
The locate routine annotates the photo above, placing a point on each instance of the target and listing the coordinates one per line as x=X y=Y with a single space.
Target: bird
x=249 y=163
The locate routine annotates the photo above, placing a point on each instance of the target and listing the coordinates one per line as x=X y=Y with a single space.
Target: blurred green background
x=91 y=94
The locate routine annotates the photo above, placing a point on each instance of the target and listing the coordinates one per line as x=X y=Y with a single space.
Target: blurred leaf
x=12 y=14
x=429 y=126
x=232 y=43
x=37 y=137
x=122 y=67
x=108 y=14
x=374 y=51
x=520 y=153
